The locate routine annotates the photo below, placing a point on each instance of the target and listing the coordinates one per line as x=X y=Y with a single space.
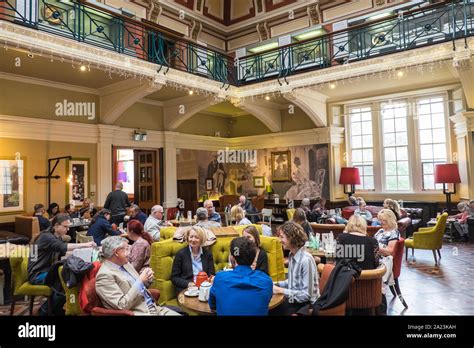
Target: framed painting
x=259 y=182
x=209 y=184
x=12 y=185
x=77 y=185
x=281 y=166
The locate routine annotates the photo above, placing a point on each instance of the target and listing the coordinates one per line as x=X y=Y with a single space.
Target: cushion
x=33 y=290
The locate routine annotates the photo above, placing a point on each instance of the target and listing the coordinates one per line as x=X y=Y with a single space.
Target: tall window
x=125 y=169
x=395 y=146
x=432 y=134
x=362 y=153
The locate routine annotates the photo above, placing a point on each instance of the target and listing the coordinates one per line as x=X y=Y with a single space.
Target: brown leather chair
x=27 y=226
x=335 y=311
x=366 y=291
x=225 y=200
x=336 y=229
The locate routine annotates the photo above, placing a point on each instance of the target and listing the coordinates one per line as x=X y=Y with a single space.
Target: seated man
x=202 y=221
x=137 y=214
x=118 y=284
x=155 y=222
x=248 y=208
x=211 y=213
x=242 y=291
x=39 y=212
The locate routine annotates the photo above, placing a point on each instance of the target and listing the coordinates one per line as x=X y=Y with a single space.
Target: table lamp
x=269 y=190
x=447 y=173
x=349 y=176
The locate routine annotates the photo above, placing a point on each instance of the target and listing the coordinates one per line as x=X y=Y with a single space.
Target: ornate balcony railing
x=441 y=22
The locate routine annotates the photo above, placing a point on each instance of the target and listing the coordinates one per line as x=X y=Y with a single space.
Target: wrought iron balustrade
x=86 y=23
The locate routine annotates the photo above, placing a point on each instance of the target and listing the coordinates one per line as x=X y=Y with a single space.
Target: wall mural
x=300 y=171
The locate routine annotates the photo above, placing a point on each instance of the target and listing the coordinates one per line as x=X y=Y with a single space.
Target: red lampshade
x=447 y=174
x=349 y=176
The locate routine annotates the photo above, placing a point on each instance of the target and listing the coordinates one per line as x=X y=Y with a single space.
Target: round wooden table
x=202 y=308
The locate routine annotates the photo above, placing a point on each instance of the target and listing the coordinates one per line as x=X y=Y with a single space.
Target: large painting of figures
x=11 y=186
x=306 y=173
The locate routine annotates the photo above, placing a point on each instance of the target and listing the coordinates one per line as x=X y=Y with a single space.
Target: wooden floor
x=428 y=290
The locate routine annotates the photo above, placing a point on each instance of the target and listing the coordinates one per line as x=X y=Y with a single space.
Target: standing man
x=117 y=202
x=211 y=213
x=243 y=291
x=155 y=222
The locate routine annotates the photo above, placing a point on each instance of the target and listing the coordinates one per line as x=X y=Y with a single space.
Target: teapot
x=200 y=278
x=204 y=291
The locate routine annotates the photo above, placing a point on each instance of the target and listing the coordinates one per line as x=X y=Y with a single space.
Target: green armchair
x=163 y=252
x=428 y=238
x=21 y=286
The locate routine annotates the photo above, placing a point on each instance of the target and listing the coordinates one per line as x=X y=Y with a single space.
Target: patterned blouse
x=139 y=255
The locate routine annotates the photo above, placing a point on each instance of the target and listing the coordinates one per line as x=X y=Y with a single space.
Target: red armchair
x=94 y=306
x=397 y=267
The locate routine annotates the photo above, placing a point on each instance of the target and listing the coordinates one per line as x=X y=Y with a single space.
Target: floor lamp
x=447 y=174
x=349 y=176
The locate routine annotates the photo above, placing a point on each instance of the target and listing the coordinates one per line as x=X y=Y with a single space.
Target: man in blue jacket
x=242 y=291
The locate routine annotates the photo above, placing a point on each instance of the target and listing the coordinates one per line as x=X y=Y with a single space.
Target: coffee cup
x=193 y=290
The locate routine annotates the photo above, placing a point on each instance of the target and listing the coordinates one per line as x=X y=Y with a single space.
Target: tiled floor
x=444 y=290
x=428 y=290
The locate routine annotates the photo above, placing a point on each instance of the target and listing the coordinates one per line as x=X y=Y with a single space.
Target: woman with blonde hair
x=189 y=261
x=387 y=237
x=393 y=206
x=355 y=235
x=237 y=214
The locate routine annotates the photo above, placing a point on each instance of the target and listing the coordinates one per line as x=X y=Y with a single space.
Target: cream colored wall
x=186 y=164
x=202 y=124
x=139 y=11
x=36 y=154
x=212 y=40
x=23 y=99
x=143 y=116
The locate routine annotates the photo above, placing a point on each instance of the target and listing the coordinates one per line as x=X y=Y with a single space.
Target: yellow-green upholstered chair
x=72 y=297
x=20 y=284
x=428 y=238
x=163 y=252
x=167 y=232
x=240 y=228
x=290 y=213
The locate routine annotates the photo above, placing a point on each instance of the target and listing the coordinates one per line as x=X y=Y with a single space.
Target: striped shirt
x=302 y=284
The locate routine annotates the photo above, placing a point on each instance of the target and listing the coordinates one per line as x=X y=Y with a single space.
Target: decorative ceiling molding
x=263 y=32
x=196 y=29
x=314 y=14
x=154 y=10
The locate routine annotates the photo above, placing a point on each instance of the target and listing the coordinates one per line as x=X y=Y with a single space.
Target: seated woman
x=70 y=209
x=189 y=261
x=100 y=227
x=300 y=218
x=393 y=206
x=355 y=234
x=237 y=214
x=387 y=237
x=299 y=290
x=139 y=255
x=53 y=210
x=461 y=221
x=363 y=212
x=261 y=262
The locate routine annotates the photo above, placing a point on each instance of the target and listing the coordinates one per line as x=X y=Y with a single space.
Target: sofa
x=163 y=252
x=404 y=224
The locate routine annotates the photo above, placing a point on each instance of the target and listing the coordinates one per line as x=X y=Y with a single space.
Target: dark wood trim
x=186 y=3
x=269 y=6
x=7 y=226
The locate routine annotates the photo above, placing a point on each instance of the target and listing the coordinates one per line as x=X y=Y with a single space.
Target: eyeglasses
x=66 y=227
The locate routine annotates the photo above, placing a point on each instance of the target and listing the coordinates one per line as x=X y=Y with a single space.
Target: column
x=171 y=184
x=104 y=164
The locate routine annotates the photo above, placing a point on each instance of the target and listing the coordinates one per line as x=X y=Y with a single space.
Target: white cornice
x=47 y=83
x=151 y=102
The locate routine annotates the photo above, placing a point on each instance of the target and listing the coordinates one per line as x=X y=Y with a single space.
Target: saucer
x=187 y=293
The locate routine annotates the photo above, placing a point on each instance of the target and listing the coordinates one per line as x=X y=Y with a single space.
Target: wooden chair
x=266 y=217
x=27 y=226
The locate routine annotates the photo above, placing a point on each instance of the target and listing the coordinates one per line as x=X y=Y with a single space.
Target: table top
x=184 y=221
x=203 y=308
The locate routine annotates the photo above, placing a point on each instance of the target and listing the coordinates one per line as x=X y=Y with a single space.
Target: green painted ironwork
x=442 y=22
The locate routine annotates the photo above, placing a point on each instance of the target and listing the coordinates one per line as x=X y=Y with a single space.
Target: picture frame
x=259 y=182
x=209 y=184
x=281 y=165
x=12 y=185
x=77 y=183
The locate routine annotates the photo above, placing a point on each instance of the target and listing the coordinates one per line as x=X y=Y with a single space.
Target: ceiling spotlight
x=31 y=55
x=267 y=97
x=83 y=68
x=400 y=74
x=191 y=92
x=332 y=86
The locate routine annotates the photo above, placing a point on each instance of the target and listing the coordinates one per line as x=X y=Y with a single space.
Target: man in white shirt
x=154 y=222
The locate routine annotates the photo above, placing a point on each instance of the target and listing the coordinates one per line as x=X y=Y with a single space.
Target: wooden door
x=146 y=179
x=187 y=190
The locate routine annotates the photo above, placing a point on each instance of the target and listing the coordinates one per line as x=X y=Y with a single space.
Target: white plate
x=191 y=295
